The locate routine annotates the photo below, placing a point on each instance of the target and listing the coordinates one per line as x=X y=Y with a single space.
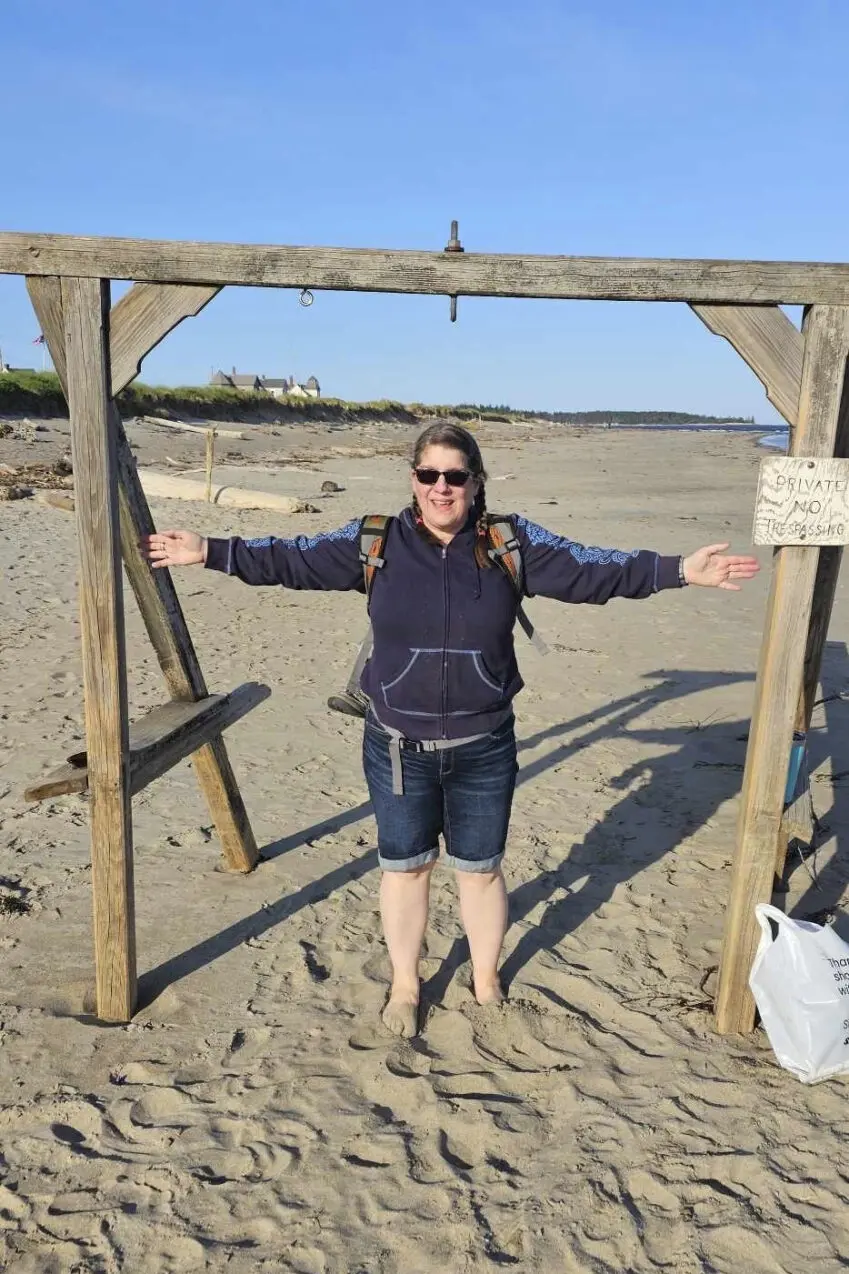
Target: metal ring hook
x=306 y=298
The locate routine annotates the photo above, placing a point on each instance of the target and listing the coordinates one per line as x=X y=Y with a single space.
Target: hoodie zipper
x=445 y=643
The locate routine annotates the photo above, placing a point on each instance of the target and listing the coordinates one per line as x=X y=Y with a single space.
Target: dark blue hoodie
x=443 y=665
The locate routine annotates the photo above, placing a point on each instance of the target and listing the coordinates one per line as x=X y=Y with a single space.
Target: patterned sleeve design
x=571 y=572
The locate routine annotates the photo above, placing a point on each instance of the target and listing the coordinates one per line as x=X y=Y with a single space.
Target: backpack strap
x=373 y=531
x=504 y=549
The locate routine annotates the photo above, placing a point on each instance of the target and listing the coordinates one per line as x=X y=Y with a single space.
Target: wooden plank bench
x=158 y=740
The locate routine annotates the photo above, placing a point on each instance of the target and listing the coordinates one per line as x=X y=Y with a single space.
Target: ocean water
x=778 y=440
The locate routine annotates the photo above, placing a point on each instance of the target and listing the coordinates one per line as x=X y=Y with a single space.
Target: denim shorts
x=463 y=793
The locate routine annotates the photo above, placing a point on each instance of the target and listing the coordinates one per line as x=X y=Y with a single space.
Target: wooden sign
x=802 y=501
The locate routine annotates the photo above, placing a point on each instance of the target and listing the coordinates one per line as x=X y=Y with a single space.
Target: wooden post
x=210 y=460
x=159 y=606
x=780 y=677
x=85 y=304
x=825 y=587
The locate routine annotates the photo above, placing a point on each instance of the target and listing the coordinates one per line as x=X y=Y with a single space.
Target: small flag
x=39 y=340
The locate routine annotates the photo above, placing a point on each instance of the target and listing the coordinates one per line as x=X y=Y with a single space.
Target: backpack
x=503 y=549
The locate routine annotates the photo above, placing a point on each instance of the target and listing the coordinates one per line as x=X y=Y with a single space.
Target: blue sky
x=654 y=129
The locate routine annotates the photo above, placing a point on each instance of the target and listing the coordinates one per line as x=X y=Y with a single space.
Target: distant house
x=249 y=383
x=309 y=389
x=277 y=386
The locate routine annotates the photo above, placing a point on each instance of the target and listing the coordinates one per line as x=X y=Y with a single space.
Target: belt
x=399 y=743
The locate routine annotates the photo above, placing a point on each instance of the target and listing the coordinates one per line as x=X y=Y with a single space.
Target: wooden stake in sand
x=210 y=460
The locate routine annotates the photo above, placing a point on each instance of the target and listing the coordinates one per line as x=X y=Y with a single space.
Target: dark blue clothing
x=443 y=664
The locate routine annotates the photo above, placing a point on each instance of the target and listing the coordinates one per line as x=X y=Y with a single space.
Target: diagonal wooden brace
x=766 y=339
x=156 y=596
x=143 y=317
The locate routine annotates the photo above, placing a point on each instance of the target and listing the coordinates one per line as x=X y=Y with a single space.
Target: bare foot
x=488 y=991
x=401 y=1015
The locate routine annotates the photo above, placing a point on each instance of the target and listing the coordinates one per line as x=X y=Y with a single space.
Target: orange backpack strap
x=373 y=532
x=504 y=549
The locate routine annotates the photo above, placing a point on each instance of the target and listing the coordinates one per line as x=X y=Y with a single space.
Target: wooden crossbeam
x=140 y=320
x=158 y=741
x=85 y=305
x=442 y=273
x=160 y=608
x=769 y=343
x=780 y=679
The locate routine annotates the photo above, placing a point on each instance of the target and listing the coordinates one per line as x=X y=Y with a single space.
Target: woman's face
x=444 y=508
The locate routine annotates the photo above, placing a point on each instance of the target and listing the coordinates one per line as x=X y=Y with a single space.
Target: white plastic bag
x=800 y=981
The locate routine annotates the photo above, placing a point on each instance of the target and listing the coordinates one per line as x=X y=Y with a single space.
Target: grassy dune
x=39 y=394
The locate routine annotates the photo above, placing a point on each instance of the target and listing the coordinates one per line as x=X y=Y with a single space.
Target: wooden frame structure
x=98 y=351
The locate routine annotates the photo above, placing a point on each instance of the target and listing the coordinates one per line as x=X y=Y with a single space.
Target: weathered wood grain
x=68 y=779
x=174 y=731
x=161 y=611
x=779 y=681
x=85 y=304
x=769 y=343
x=825 y=588
x=448 y=274
x=142 y=318
x=159 y=740
x=46 y=296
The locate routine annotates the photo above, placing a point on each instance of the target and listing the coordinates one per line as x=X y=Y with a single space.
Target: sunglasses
x=454 y=477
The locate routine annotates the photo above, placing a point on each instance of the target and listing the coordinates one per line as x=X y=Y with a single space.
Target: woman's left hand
x=712 y=569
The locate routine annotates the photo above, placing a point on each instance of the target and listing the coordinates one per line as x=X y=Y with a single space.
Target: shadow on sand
x=697 y=767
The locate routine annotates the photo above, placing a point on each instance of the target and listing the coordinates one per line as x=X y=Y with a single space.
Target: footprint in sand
x=163 y=1108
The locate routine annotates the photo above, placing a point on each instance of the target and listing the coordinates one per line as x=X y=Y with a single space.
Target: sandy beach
x=255 y=1116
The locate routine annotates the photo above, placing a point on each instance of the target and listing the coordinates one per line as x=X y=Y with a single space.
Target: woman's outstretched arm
x=329 y=560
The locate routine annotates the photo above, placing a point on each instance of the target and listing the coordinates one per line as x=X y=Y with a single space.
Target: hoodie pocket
x=417 y=689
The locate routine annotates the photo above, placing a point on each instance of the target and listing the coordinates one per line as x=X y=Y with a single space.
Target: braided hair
x=445 y=434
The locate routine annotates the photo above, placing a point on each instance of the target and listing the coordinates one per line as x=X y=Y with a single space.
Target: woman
x=439 y=751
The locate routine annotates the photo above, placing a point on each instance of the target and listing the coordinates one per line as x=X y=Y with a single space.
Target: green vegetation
x=39 y=394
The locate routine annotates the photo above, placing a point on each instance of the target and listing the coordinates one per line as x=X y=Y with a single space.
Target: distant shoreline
x=39 y=394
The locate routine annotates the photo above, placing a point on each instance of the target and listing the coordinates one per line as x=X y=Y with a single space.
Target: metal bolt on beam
x=454 y=245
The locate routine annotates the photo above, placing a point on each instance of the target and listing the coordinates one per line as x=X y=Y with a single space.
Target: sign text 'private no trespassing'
x=802 y=501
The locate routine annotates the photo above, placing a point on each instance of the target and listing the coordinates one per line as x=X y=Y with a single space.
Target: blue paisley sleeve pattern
x=571 y=572
x=328 y=561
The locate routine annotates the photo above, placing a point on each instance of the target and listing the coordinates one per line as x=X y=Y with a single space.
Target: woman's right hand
x=173 y=548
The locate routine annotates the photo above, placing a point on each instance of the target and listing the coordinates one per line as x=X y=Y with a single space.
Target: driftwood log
x=170 y=486
x=191 y=429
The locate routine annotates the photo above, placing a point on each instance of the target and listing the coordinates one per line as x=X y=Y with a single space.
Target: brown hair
x=445 y=434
